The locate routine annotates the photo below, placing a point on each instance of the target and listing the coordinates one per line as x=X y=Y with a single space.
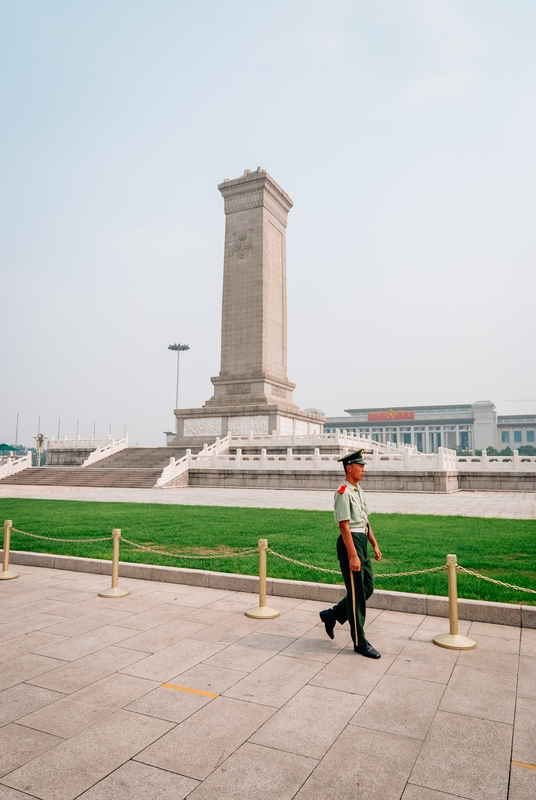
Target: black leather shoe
x=329 y=622
x=367 y=650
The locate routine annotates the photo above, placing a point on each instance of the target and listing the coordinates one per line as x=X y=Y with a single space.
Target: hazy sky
x=403 y=130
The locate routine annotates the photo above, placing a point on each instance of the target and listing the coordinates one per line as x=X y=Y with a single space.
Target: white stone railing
x=485 y=463
x=176 y=467
x=113 y=446
x=339 y=438
x=207 y=456
x=14 y=465
x=405 y=460
x=443 y=460
x=84 y=444
x=213 y=458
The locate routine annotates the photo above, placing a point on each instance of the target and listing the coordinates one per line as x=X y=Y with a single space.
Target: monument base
x=197 y=426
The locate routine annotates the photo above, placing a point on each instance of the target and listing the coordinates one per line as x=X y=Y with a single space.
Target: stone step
x=84 y=476
x=145 y=457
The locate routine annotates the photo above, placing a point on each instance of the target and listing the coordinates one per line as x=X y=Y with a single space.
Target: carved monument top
x=255 y=182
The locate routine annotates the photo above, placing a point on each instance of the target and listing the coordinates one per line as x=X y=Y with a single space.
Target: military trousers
x=359 y=587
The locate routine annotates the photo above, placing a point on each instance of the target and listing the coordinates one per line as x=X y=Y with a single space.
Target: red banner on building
x=389 y=416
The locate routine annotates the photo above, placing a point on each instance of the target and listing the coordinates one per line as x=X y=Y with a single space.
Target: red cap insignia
x=342 y=489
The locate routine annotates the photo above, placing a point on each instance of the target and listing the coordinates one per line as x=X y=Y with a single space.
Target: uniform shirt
x=351 y=505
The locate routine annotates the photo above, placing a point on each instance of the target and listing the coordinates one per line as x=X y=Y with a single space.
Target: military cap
x=354 y=458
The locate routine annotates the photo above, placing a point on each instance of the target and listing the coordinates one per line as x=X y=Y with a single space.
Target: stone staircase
x=133 y=468
x=85 y=476
x=140 y=457
x=139 y=468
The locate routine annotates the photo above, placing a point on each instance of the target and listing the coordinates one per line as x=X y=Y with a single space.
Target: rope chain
x=301 y=564
x=415 y=572
x=338 y=572
x=52 y=539
x=492 y=580
x=279 y=555
x=181 y=555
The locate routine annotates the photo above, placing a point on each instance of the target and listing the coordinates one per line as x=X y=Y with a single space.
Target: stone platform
x=380 y=480
x=172 y=692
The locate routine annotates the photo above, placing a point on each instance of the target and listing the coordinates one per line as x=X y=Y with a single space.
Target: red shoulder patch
x=342 y=489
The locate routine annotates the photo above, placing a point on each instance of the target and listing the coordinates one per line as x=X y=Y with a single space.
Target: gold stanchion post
x=6 y=575
x=115 y=591
x=262 y=611
x=453 y=640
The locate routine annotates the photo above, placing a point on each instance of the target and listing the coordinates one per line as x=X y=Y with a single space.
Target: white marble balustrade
x=113 y=446
x=13 y=465
x=83 y=444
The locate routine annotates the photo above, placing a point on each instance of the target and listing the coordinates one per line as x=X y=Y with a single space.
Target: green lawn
x=501 y=549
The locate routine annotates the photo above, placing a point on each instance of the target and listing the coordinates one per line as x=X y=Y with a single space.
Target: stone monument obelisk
x=252 y=393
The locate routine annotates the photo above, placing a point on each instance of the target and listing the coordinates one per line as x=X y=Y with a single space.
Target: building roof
x=516 y=419
x=465 y=409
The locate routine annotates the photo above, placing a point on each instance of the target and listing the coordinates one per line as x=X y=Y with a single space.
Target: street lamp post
x=178 y=348
x=39 y=446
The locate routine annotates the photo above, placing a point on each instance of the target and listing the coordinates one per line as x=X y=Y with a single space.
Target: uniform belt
x=358 y=530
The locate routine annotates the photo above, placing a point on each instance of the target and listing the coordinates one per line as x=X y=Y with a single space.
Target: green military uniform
x=350 y=504
x=351 y=509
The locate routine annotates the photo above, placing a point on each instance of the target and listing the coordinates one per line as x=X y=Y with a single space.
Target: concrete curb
x=473 y=610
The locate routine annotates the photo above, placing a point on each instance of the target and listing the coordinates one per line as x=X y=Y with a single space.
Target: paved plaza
x=506 y=505
x=173 y=692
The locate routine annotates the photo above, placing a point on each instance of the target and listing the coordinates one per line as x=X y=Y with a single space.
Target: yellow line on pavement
x=525 y=766
x=186 y=689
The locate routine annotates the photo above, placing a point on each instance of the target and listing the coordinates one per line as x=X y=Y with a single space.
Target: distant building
x=474 y=426
x=516 y=430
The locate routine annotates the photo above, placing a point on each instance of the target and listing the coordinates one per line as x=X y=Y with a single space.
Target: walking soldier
x=351 y=514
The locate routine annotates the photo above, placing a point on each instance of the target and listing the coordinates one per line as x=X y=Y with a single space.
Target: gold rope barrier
x=115 y=591
x=262 y=611
x=6 y=575
x=453 y=640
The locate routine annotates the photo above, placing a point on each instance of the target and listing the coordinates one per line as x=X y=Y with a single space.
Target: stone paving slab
x=24 y=668
x=522 y=784
x=402 y=706
x=206 y=739
x=275 y=682
x=89 y=705
x=298 y=727
x=363 y=763
x=527 y=677
x=484 y=693
x=19 y=744
x=23 y=699
x=256 y=773
x=250 y=708
x=11 y=794
x=505 y=505
x=133 y=781
x=422 y=660
x=74 y=675
x=76 y=764
x=465 y=756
